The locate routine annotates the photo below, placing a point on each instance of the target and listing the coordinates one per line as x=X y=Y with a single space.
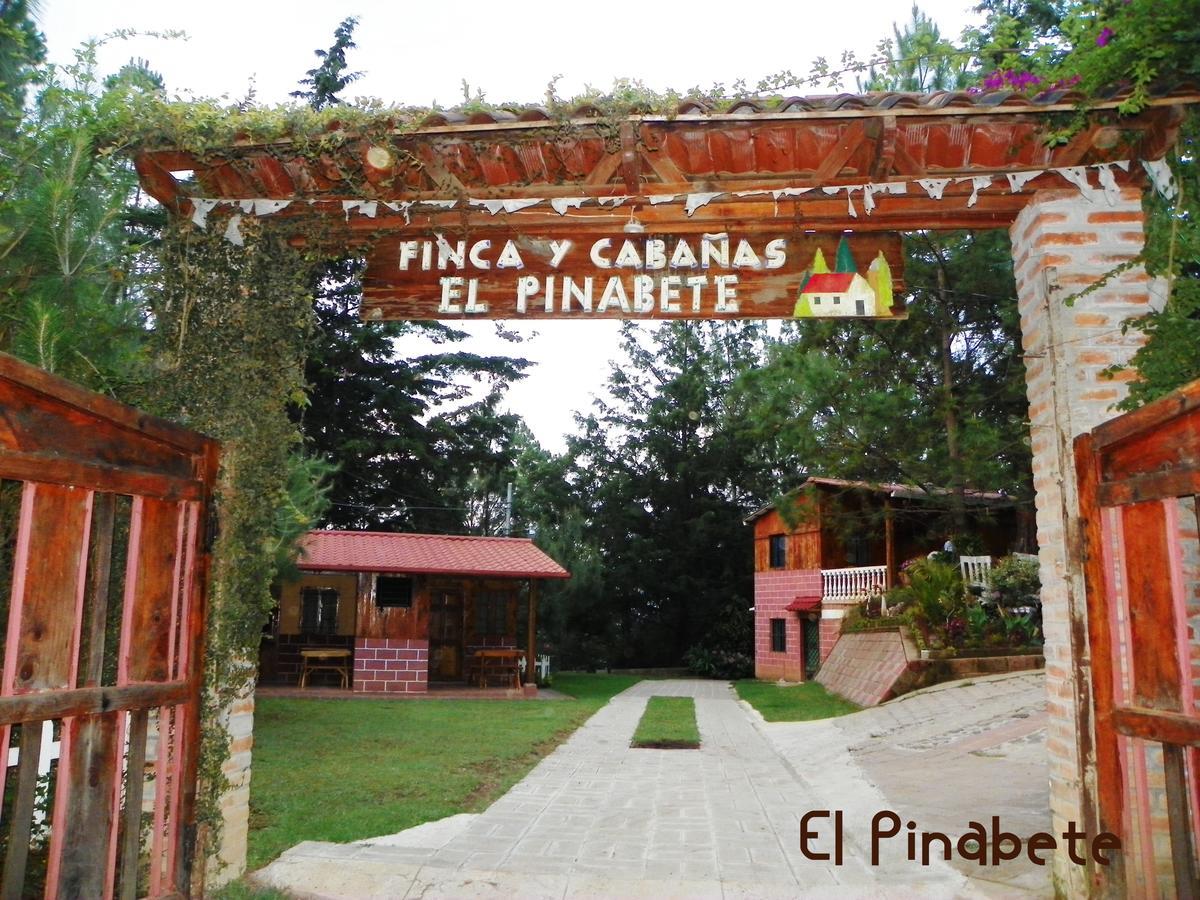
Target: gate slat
x=81 y=844
x=100 y=570
x=135 y=783
x=48 y=569
x=146 y=620
x=22 y=812
x=1151 y=607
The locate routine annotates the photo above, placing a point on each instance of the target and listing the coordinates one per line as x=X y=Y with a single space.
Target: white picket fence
x=845 y=585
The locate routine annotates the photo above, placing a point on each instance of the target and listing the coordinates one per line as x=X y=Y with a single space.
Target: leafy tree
x=1097 y=48
x=662 y=472
x=919 y=59
x=937 y=400
x=409 y=453
x=65 y=244
x=327 y=80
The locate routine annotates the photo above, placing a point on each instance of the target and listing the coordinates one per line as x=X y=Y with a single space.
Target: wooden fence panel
x=1134 y=473
x=83 y=462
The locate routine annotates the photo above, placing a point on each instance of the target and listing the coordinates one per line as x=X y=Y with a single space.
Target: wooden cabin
x=837 y=541
x=382 y=612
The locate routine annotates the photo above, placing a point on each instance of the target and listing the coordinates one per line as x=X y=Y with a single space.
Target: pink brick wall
x=864 y=666
x=391 y=665
x=1062 y=242
x=772 y=592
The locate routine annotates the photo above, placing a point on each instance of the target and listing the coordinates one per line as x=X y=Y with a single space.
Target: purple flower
x=1105 y=35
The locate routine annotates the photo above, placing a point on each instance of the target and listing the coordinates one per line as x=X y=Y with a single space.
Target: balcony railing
x=846 y=585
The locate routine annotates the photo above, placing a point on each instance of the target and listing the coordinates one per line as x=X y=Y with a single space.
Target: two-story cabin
x=835 y=542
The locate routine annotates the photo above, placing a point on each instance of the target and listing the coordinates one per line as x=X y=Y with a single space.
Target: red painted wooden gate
x=103 y=559
x=1139 y=477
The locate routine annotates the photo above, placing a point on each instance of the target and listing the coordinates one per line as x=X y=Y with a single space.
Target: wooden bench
x=328 y=659
x=498 y=662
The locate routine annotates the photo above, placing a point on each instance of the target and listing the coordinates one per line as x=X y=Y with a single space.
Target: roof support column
x=531 y=636
x=1061 y=243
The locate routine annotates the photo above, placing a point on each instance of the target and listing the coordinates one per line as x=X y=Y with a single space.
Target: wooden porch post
x=889 y=542
x=531 y=637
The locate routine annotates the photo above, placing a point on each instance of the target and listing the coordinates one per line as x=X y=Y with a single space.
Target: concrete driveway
x=598 y=819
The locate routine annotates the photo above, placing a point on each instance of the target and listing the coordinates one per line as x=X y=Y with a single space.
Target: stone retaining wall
x=868 y=667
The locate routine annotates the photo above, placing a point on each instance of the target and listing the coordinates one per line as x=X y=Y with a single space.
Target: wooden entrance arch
x=800 y=169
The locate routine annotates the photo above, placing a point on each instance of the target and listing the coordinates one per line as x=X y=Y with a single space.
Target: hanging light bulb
x=633 y=226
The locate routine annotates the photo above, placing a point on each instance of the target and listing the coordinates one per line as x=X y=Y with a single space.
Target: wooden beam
x=531 y=635
x=1155 y=486
x=885 y=149
x=1105 y=802
x=46 y=469
x=438 y=174
x=1159 y=725
x=601 y=175
x=90 y=701
x=631 y=169
x=852 y=138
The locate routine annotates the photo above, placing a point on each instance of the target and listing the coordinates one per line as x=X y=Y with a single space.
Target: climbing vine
x=232 y=327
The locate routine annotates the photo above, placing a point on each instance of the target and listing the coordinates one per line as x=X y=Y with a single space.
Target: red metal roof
x=441 y=554
x=803 y=604
x=829 y=283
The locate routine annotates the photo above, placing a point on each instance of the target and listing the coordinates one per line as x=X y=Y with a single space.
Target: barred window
x=318 y=610
x=491 y=612
x=778 y=636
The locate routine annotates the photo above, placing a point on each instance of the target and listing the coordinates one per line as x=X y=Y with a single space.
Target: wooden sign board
x=634 y=276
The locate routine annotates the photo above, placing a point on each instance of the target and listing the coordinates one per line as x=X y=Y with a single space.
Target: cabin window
x=858 y=551
x=778 y=636
x=318 y=610
x=491 y=612
x=778 y=550
x=392 y=592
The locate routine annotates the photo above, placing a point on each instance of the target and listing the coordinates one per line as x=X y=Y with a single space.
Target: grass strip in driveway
x=793 y=702
x=669 y=723
x=345 y=770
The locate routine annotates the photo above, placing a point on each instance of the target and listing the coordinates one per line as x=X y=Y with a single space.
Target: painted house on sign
x=839 y=294
x=841 y=541
x=383 y=612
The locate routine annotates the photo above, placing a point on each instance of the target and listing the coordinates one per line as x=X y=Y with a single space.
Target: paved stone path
x=597 y=818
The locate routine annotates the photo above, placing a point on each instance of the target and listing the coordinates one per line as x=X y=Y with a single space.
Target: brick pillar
x=1062 y=243
x=227 y=860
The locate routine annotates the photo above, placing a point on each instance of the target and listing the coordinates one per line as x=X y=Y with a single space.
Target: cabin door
x=811 y=636
x=446 y=636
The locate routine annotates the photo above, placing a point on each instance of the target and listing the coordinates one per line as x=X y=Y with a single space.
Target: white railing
x=845 y=585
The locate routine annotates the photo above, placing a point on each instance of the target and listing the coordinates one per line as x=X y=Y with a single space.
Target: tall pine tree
x=409 y=453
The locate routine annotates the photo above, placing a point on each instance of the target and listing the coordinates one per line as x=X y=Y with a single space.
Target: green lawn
x=793 y=702
x=329 y=770
x=668 y=723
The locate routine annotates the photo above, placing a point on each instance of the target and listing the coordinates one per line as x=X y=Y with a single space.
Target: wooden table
x=502 y=662
x=329 y=659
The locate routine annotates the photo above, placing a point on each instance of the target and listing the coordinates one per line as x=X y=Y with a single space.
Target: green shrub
x=1015 y=582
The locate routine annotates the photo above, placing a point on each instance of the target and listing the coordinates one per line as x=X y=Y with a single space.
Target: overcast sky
x=421 y=53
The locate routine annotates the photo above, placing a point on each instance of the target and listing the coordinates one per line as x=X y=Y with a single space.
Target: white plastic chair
x=975 y=570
